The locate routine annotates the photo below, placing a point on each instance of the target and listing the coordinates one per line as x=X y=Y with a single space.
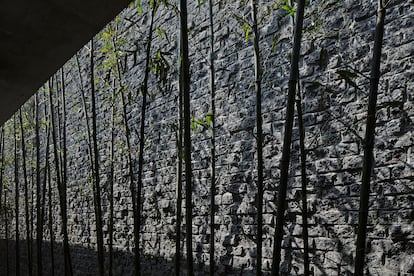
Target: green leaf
x=160 y=32
x=196 y=123
x=199 y=122
x=139 y=6
x=209 y=119
x=287 y=7
x=247 y=30
x=118 y=20
x=275 y=41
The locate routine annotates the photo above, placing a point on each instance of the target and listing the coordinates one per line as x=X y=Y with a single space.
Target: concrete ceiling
x=38 y=37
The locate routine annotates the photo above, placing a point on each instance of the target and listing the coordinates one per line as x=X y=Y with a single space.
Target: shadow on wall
x=84 y=261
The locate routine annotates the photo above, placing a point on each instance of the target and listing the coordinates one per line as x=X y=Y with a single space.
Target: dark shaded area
x=85 y=262
x=45 y=33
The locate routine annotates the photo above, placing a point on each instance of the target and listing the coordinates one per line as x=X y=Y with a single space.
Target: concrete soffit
x=38 y=37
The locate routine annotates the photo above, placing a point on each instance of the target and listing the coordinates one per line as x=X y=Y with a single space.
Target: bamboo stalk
x=304 y=179
x=258 y=89
x=52 y=235
x=129 y=161
x=6 y=225
x=16 y=198
x=304 y=183
x=63 y=138
x=4 y=206
x=287 y=139
x=97 y=182
x=368 y=163
x=85 y=112
x=179 y=169
x=61 y=189
x=185 y=71
x=40 y=191
x=49 y=187
x=179 y=188
x=144 y=91
x=26 y=195
x=111 y=186
x=2 y=164
x=212 y=140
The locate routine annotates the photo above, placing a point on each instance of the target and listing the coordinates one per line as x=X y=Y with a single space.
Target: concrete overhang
x=38 y=37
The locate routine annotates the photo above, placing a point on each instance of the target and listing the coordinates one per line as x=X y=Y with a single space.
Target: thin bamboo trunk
x=63 y=137
x=49 y=188
x=304 y=180
x=179 y=169
x=287 y=139
x=87 y=125
x=6 y=225
x=41 y=192
x=68 y=260
x=85 y=112
x=61 y=189
x=179 y=188
x=59 y=125
x=26 y=195
x=212 y=139
x=50 y=199
x=144 y=91
x=31 y=223
x=44 y=188
x=5 y=207
x=2 y=165
x=258 y=88
x=16 y=198
x=185 y=71
x=111 y=185
x=369 y=164
x=131 y=175
x=130 y=166
x=39 y=214
x=97 y=189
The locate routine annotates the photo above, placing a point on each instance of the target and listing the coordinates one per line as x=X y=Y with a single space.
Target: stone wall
x=334 y=70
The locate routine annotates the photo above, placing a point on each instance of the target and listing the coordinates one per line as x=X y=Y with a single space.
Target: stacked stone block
x=334 y=72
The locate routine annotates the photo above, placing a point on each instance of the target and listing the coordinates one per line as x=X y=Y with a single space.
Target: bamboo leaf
x=209 y=119
x=287 y=7
x=275 y=41
x=160 y=32
x=139 y=6
x=247 y=30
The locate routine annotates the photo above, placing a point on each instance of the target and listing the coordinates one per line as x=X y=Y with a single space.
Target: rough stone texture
x=335 y=63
